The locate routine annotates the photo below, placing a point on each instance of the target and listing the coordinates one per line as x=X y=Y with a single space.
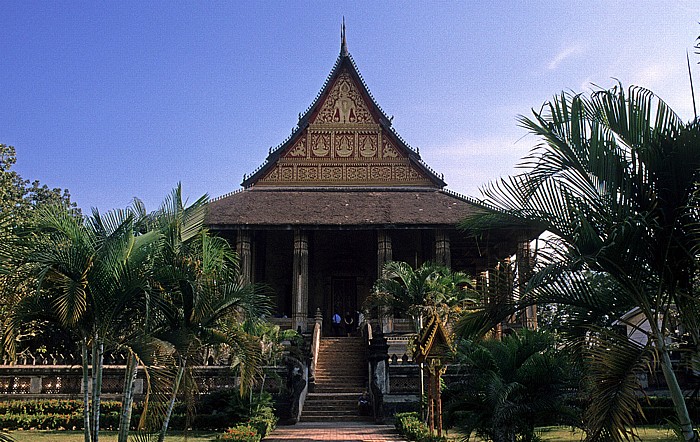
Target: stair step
x=316 y=408
x=332 y=413
x=340 y=378
x=356 y=418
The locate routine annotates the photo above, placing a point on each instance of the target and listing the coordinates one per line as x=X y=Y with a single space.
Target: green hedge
x=56 y=414
x=412 y=427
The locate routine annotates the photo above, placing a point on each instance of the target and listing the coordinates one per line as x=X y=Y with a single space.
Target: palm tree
x=89 y=275
x=429 y=288
x=614 y=183
x=201 y=297
x=506 y=388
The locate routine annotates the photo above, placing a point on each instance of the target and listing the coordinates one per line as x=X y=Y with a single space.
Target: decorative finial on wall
x=343 y=44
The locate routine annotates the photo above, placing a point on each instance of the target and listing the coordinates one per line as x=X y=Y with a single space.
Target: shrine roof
x=340 y=207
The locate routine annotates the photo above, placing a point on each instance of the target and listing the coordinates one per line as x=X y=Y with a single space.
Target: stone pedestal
x=378 y=359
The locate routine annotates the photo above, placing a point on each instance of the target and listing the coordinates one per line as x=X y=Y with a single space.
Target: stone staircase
x=341 y=377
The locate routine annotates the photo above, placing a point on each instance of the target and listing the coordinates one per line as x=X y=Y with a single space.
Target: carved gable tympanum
x=344 y=139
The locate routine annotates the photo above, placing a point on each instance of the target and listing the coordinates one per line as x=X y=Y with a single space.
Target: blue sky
x=115 y=100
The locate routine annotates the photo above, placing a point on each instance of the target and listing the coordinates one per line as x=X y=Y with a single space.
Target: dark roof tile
x=340 y=207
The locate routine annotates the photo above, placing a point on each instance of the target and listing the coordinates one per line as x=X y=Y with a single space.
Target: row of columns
x=300 y=271
x=497 y=285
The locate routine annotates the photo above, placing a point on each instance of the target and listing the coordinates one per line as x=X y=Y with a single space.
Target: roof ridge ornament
x=343 y=44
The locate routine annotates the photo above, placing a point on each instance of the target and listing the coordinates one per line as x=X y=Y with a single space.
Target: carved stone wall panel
x=414 y=175
x=274 y=175
x=344 y=104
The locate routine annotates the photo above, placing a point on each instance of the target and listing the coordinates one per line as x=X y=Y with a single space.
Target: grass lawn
x=106 y=436
x=566 y=434
x=557 y=434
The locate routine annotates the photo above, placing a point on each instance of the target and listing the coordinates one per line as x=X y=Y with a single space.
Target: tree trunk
x=96 y=394
x=93 y=372
x=127 y=398
x=171 y=405
x=674 y=389
x=86 y=391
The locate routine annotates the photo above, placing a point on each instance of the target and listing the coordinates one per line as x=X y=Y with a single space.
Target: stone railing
x=315 y=345
x=399 y=348
x=65 y=381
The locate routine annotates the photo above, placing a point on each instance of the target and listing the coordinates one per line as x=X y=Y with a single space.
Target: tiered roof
x=343 y=165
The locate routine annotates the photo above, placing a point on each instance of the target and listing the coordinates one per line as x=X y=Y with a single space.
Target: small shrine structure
x=433 y=350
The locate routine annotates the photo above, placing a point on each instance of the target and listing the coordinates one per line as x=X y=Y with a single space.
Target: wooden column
x=300 y=283
x=523 y=260
x=438 y=398
x=245 y=255
x=431 y=399
x=384 y=255
x=383 y=250
x=442 y=248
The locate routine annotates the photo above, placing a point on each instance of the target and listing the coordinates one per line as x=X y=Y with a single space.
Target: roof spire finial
x=343 y=44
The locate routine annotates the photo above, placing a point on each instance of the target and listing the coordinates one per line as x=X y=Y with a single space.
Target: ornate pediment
x=344 y=104
x=344 y=139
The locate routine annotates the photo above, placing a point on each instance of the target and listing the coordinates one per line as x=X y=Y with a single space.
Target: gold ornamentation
x=274 y=175
x=287 y=173
x=389 y=150
x=299 y=149
x=344 y=104
x=332 y=173
x=368 y=145
x=400 y=173
x=320 y=144
x=356 y=173
x=307 y=173
x=380 y=173
x=344 y=145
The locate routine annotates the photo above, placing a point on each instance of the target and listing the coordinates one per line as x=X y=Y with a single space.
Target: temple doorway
x=344 y=296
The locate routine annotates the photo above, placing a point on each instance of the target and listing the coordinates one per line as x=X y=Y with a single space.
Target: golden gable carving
x=344 y=104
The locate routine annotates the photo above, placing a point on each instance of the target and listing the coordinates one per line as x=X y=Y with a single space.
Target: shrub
x=243 y=433
x=263 y=420
x=412 y=427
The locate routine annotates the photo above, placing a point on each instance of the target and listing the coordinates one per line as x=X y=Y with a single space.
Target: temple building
x=340 y=197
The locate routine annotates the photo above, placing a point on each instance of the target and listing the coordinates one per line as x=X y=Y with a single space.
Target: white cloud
x=565 y=53
x=470 y=164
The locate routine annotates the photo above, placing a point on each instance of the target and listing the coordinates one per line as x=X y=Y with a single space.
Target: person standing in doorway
x=360 y=320
x=349 y=323
x=335 y=322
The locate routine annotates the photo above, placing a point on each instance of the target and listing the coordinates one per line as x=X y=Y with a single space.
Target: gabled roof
x=345 y=139
x=433 y=341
